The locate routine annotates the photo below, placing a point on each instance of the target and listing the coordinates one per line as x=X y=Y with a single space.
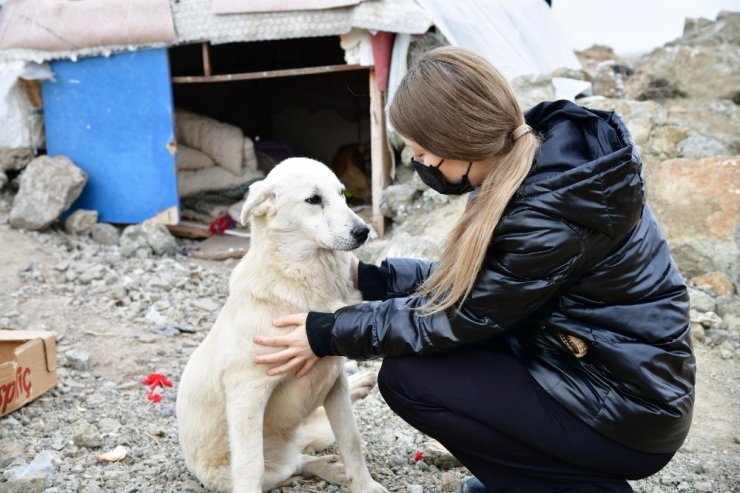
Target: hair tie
x=520 y=130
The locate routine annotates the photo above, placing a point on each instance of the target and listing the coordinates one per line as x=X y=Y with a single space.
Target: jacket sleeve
x=532 y=257
x=394 y=278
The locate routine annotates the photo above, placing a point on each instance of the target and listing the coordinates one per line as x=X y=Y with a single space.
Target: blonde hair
x=456 y=105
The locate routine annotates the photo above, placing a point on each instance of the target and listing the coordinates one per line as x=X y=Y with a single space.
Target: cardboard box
x=28 y=367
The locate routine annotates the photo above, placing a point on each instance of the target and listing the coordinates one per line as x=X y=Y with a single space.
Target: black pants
x=486 y=409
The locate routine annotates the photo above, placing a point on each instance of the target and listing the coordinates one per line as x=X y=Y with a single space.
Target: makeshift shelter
x=303 y=76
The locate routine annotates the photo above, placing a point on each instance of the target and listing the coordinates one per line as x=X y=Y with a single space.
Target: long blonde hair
x=456 y=105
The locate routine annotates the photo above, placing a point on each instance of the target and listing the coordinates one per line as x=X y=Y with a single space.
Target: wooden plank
x=206 y=59
x=379 y=152
x=221 y=248
x=266 y=74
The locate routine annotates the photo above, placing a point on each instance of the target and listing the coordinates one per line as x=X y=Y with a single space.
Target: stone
x=697 y=205
x=159 y=238
x=701 y=301
x=33 y=477
x=77 y=359
x=641 y=117
x=80 y=221
x=709 y=320
x=437 y=455
x=15 y=158
x=697 y=332
x=700 y=31
x=87 y=435
x=681 y=71
x=397 y=201
x=728 y=305
x=105 y=234
x=48 y=186
x=3 y=180
x=141 y=240
x=717 y=282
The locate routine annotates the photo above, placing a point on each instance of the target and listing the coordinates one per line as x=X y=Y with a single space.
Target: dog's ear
x=259 y=201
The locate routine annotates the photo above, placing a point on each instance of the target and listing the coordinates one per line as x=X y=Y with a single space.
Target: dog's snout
x=360 y=232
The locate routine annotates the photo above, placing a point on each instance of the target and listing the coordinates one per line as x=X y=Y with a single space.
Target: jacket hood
x=587 y=170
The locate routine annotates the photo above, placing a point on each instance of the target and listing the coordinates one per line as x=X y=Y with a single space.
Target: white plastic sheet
x=517 y=37
x=20 y=128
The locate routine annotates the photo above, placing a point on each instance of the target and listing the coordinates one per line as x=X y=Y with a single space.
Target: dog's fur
x=240 y=429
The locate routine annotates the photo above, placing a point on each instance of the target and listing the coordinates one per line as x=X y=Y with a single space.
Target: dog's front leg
x=349 y=444
x=246 y=398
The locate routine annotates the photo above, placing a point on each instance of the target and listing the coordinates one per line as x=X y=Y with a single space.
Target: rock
x=532 y=89
x=159 y=238
x=141 y=240
x=697 y=332
x=48 y=187
x=710 y=127
x=701 y=301
x=696 y=204
x=415 y=488
x=709 y=320
x=80 y=222
x=728 y=305
x=437 y=455
x=105 y=234
x=77 y=359
x=3 y=180
x=681 y=71
x=730 y=323
x=15 y=158
x=87 y=436
x=397 y=201
x=700 y=31
x=717 y=282
x=641 y=117
x=33 y=477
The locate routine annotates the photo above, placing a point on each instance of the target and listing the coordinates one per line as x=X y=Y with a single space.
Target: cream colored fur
x=240 y=429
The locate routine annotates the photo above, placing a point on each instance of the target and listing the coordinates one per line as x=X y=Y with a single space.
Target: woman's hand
x=297 y=354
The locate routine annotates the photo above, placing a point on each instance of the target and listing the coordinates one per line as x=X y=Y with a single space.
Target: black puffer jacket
x=578 y=251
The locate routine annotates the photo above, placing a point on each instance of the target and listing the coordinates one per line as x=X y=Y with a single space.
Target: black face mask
x=433 y=177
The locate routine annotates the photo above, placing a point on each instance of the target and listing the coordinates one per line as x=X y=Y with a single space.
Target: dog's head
x=304 y=198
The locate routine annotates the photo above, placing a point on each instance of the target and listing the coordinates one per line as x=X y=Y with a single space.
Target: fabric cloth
x=578 y=251
x=485 y=408
x=54 y=26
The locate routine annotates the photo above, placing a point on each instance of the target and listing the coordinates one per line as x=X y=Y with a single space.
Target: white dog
x=240 y=429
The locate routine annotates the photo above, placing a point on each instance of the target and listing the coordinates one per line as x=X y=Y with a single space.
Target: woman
x=549 y=347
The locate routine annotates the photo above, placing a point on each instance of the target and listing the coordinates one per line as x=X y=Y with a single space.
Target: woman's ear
x=259 y=201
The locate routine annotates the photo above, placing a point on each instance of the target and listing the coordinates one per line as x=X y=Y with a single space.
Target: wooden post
x=379 y=152
x=206 y=59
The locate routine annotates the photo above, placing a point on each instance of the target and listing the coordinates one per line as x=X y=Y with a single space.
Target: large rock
x=696 y=202
x=48 y=187
x=641 y=117
x=687 y=71
x=671 y=128
x=140 y=240
x=700 y=31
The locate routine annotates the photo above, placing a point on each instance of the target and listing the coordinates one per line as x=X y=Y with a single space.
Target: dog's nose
x=360 y=232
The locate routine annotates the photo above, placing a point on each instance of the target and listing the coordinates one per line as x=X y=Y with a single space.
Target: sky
x=631 y=27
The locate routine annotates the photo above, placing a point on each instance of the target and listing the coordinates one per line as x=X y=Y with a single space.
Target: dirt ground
x=121 y=359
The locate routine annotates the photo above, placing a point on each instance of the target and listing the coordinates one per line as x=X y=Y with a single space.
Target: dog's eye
x=314 y=199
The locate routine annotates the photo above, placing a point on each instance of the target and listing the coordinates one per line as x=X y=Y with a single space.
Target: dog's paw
x=371 y=487
x=360 y=384
x=326 y=467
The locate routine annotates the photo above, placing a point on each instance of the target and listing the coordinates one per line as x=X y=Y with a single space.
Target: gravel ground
x=118 y=319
